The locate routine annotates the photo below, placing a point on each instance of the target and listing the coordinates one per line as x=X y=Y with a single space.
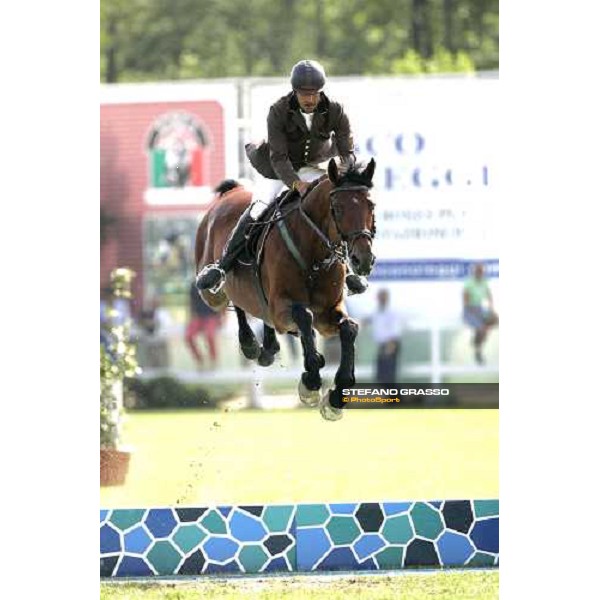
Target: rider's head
x=308 y=79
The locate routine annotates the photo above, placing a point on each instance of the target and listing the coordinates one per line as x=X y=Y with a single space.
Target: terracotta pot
x=114 y=465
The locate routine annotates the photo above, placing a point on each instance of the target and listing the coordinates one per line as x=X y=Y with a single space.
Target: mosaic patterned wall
x=303 y=537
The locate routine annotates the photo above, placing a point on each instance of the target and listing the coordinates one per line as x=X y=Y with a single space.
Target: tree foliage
x=147 y=40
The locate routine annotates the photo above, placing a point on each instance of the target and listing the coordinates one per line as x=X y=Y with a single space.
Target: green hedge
x=167 y=392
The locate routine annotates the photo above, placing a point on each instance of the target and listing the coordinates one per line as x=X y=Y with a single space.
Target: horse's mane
x=354 y=174
x=226 y=186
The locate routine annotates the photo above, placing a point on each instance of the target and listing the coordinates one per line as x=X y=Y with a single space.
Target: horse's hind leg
x=313 y=360
x=270 y=347
x=250 y=347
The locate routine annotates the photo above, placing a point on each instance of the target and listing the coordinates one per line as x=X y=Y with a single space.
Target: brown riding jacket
x=291 y=145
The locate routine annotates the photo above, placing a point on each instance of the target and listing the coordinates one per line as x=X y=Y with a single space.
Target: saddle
x=257 y=232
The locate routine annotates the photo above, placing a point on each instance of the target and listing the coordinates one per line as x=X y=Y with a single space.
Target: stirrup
x=208 y=270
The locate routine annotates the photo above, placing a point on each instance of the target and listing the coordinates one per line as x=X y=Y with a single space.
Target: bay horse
x=303 y=270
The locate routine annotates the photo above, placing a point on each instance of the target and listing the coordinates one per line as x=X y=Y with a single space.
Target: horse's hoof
x=309 y=397
x=328 y=412
x=266 y=359
x=252 y=351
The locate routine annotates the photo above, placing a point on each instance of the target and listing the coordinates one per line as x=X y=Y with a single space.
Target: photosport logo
x=177 y=152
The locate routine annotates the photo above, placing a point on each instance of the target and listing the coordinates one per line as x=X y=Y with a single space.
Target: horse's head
x=352 y=209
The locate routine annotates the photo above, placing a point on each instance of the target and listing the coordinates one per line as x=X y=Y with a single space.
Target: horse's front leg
x=270 y=347
x=310 y=381
x=331 y=405
x=248 y=343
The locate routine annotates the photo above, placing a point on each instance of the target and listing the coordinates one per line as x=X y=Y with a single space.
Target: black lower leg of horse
x=270 y=347
x=345 y=373
x=313 y=361
x=248 y=343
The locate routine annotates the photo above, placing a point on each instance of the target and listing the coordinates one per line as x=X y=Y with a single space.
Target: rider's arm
x=279 y=150
x=343 y=136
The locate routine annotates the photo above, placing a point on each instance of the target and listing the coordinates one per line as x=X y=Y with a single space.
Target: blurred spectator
x=478 y=309
x=203 y=320
x=387 y=330
x=152 y=327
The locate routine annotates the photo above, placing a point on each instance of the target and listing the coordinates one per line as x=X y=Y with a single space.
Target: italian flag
x=159 y=168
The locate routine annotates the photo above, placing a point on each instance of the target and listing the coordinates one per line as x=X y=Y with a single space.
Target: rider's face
x=308 y=99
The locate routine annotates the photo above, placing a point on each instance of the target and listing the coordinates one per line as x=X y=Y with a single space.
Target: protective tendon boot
x=356 y=284
x=212 y=277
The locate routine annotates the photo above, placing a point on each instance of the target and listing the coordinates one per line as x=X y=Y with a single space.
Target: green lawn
x=460 y=585
x=285 y=456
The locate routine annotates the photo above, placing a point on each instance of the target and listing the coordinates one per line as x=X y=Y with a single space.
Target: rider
x=305 y=128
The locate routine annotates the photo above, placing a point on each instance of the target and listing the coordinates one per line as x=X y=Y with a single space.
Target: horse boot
x=356 y=284
x=212 y=277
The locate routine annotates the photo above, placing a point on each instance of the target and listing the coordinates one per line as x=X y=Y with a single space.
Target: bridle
x=351 y=236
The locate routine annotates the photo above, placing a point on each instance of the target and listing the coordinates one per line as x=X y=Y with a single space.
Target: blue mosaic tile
x=230 y=567
x=137 y=540
x=110 y=540
x=160 y=522
x=277 y=564
x=435 y=504
x=103 y=514
x=342 y=509
x=367 y=545
x=343 y=559
x=485 y=535
x=224 y=510
x=220 y=549
x=486 y=508
x=311 y=544
x=395 y=508
x=458 y=515
x=454 y=549
x=276 y=544
x=246 y=528
x=132 y=566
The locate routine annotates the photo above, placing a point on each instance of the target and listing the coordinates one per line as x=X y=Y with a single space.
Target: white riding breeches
x=265 y=190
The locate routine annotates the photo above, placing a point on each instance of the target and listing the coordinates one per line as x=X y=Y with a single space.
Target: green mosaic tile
x=486 y=508
x=188 y=537
x=343 y=530
x=398 y=530
x=390 y=558
x=214 y=522
x=427 y=521
x=164 y=558
x=276 y=518
x=311 y=514
x=253 y=558
x=482 y=559
x=125 y=518
x=291 y=556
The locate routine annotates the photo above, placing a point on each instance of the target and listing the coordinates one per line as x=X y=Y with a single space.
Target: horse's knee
x=348 y=330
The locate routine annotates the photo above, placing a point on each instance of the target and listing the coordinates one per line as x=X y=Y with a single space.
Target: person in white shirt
x=387 y=331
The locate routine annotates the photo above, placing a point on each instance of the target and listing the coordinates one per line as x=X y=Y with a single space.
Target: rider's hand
x=301 y=186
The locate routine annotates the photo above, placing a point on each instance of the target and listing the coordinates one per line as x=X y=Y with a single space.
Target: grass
x=445 y=585
x=192 y=457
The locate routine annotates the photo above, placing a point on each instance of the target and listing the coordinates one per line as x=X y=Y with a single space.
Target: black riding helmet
x=308 y=75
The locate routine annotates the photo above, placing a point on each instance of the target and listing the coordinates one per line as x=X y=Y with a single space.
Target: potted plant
x=117 y=361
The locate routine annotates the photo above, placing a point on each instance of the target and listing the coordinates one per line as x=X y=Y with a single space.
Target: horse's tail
x=226 y=186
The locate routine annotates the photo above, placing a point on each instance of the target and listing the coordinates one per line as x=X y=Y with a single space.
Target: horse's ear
x=368 y=172
x=332 y=172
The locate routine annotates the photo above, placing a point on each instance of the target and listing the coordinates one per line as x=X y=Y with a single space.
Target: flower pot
x=114 y=465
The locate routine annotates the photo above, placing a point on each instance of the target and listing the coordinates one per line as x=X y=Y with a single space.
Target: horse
x=302 y=273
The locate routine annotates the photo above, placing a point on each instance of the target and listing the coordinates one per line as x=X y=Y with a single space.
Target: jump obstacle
x=148 y=542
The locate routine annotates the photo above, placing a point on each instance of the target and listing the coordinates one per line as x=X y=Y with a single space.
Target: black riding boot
x=356 y=284
x=212 y=277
